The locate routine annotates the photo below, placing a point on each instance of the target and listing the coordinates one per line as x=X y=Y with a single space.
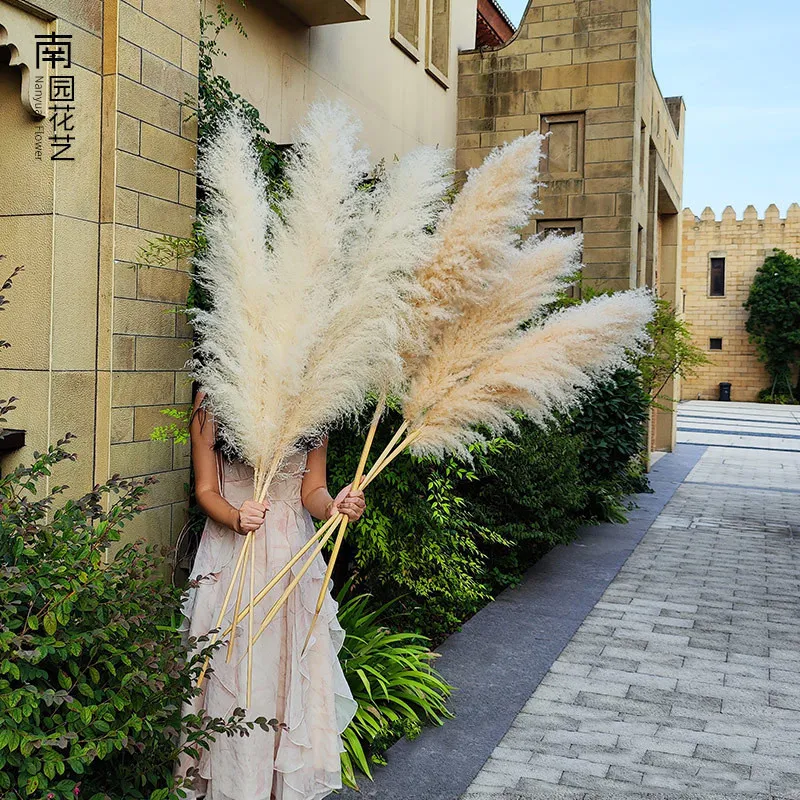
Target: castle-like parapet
x=772 y=216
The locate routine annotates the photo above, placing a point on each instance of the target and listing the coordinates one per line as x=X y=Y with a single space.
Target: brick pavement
x=683 y=680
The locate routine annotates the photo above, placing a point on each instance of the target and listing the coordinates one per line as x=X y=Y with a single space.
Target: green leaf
x=50 y=624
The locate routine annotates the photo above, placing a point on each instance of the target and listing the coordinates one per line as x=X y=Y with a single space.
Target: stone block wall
x=154 y=191
x=584 y=66
x=744 y=243
x=98 y=343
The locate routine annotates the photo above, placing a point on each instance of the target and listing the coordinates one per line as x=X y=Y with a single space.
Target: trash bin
x=725 y=391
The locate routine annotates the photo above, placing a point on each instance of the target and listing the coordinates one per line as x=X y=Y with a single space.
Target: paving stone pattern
x=682 y=682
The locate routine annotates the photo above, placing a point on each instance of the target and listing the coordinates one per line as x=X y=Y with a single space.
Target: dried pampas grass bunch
x=310 y=293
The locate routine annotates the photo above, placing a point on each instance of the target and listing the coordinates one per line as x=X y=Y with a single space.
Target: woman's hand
x=350 y=503
x=250 y=516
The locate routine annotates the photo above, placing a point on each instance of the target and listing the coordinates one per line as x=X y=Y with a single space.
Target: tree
x=774 y=321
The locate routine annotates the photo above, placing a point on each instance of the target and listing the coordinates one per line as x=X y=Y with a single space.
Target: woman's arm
x=250 y=516
x=314 y=490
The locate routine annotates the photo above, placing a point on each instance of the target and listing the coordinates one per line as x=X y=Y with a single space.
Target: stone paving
x=683 y=680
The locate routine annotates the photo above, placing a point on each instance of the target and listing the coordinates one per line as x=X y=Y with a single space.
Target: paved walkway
x=683 y=679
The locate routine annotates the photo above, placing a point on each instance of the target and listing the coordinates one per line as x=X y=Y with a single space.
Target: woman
x=307 y=690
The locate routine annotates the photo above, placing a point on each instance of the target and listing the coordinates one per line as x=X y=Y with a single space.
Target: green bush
x=774 y=321
x=417 y=542
x=611 y=424
x=93 y=670
x=392 y=680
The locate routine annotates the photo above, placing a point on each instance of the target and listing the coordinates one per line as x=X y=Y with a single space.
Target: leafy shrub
x=392 y=680
x=417 y=541
x=533 y=490
x=611 y=423
x=93 y=671
x=774 y=320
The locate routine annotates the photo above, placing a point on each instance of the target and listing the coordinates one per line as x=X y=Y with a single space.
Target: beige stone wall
x=97 y=344
x=590 y=59
x=283 y=65
x=582 y=71
x=744 y=243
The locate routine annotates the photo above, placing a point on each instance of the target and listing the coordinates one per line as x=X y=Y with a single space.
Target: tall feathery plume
x=310 y=298
x=477 y=232
x=538 y=372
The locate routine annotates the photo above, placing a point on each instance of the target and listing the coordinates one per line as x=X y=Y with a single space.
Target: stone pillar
x=151 y=74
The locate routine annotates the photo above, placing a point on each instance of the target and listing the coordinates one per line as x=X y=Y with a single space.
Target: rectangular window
x=405 y=26
x=716 y=281
x=715 y=344
x=564 y=227
x=563 y=148
x=640 y=256
x=437 y=59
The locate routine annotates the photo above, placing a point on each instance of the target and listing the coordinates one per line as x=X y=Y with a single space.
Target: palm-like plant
x=392 y=679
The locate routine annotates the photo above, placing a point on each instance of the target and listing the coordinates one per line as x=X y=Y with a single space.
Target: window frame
x=408 y=47
x=712 y=257
x=435 y=72
x=545 y=225
x=544 y=128
x=715 y=339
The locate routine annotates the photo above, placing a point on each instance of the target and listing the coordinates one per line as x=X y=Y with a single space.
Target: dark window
x=716 y=286
x=715 y=344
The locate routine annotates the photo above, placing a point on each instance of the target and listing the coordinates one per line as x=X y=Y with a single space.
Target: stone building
x=581 y=70
x=720 y=259
x=98 y=340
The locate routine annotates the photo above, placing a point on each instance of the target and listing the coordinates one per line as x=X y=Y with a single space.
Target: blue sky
x=736 y=63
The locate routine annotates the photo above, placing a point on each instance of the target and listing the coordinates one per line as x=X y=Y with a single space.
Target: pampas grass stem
x=250 y=625
x=243 y=559
x=289 y=564
x=279 y=603
x=362 y=463
x=216 y=635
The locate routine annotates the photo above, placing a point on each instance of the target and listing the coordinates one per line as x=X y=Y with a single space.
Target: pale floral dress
x=307 y=692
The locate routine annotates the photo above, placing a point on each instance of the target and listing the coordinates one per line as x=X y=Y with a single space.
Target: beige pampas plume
x=371 y=311
x=476 y=233
x=234 y=354
x=544 y=369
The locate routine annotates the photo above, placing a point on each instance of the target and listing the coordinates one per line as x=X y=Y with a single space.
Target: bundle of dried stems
x=311 y=293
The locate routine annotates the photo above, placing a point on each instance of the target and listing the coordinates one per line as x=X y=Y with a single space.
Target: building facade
x=581 y=71
x=720 y=259
x=395 y=65
x=99 y=340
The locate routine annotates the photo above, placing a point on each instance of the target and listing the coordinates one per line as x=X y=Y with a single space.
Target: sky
x=737 y=64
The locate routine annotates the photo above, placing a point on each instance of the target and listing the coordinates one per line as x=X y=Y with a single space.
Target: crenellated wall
x=744 y=242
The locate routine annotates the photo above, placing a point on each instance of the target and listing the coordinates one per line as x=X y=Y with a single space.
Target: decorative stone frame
x=20 y=23
x=724 y=256
x=436 y=72
x=579 y=120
